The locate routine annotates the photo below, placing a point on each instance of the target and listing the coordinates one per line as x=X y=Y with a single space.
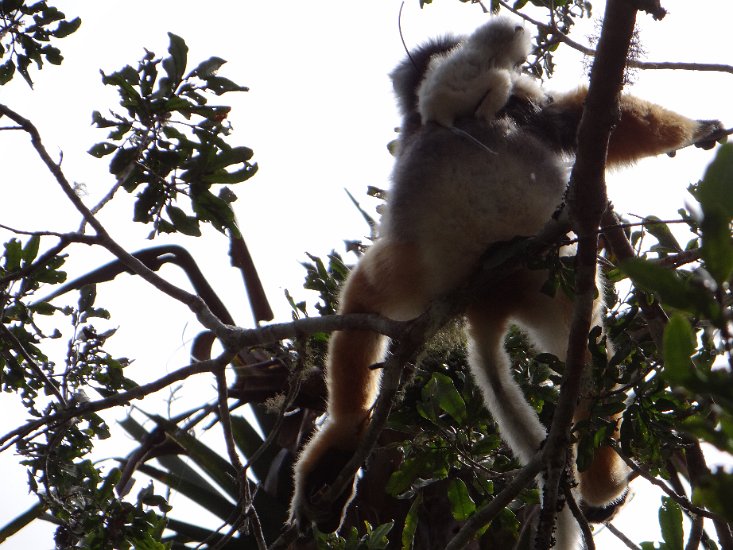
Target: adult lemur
x=482 y=158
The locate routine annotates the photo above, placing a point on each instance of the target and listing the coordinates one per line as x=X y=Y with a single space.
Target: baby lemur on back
x=482 y=158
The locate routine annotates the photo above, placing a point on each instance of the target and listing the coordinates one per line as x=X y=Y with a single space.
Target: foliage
x=440 y=455
x=26 y=33
x=172 y=141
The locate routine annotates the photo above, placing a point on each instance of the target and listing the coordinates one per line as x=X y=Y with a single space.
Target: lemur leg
x=498 y=89
x=519 y=424
x=547 y=320
x=387 y=281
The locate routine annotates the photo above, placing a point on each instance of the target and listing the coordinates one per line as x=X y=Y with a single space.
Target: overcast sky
x=318 y=115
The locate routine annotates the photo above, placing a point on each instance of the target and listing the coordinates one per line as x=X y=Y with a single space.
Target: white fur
x=476 y=77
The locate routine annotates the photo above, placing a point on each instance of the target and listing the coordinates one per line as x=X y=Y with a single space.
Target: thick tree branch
x=587 y=202
x=579 y=517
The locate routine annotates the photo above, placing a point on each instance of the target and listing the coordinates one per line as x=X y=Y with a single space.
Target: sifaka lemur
x=482 y=158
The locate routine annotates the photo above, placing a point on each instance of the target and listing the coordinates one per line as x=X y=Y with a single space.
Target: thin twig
x=585 y=50
x=679 y=499
x=138 y=392
x=294 y=383
x=620 y=536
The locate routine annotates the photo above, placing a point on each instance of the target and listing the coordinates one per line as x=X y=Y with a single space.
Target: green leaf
x=714 y=492
x=175 y=65
x=209 y=207
x=670 y=287
x=207 y=497
x=11 y=5
x=65 y=28
x=679 y=345
x=7 y=70
x=219 y=469
x=208 y=67
x=192 y=532
x=401 y=480
x=661 y=232
x=378 y=537
x=715 y=194
x=461 y=504
x=449 y=398
x=716 y=189
x=30 y=250
x=670 y=521
x=13 y=255
x=172 y=463
x=52 y=55
x=410 y=526
x=102 y=149
x=87 y=296
x=220 y=85
x=188 y=225
x=717 y=249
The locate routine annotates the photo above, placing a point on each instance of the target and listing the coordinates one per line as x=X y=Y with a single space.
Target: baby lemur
x=482 y=158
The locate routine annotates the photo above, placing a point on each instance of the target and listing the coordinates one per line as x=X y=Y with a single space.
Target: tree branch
x=587 y=203
x=679 y=499
x=645 y=65
x=623 y=538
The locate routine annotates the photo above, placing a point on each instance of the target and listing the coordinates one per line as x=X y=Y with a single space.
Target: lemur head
x=502 y=42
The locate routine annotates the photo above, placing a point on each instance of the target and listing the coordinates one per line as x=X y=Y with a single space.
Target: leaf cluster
x=170 y=142
x=26 y=34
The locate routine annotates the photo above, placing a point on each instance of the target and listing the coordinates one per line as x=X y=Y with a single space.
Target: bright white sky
x=319 y=115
